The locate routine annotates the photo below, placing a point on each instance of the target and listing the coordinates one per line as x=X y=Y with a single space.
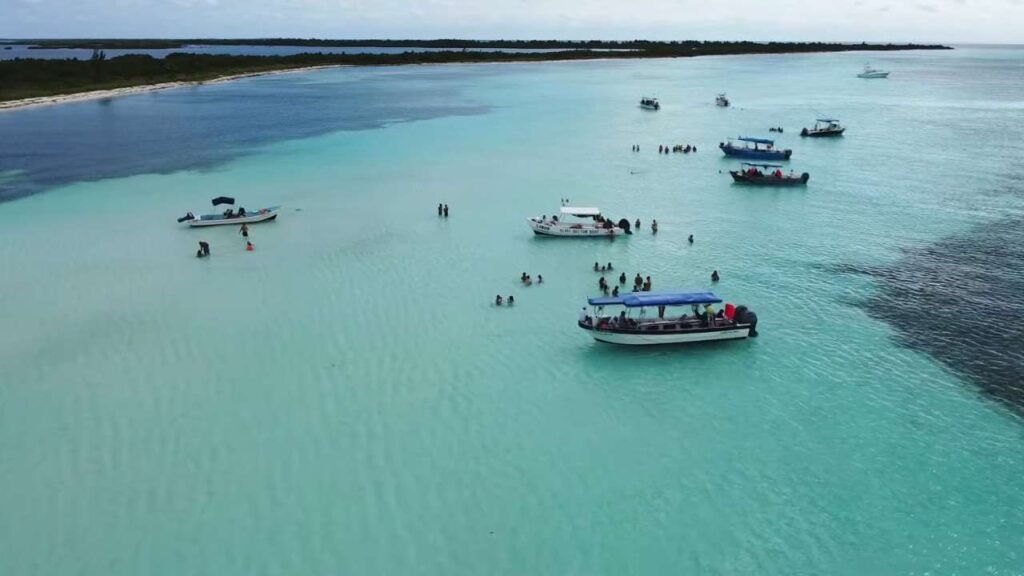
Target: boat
x=767 y=175
x=870 y=72
x=824 y=127
x=633 y=326
x=722 y=100
x=755 y=149
x=648 y=103
x=588 y=223
x=229 y=216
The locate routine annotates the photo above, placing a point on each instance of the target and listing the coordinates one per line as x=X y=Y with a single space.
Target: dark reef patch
x=201 y=127
x=961 y=300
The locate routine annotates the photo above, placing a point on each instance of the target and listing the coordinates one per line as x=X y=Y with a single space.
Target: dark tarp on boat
x=223 y=200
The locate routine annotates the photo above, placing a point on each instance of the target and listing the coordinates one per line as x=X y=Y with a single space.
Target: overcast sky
x=950 y=21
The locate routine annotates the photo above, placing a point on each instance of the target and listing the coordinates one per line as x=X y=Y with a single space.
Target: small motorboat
x=767 y=175
x=588 y=223
x=649 y=103
x=824 y=127
x=755 y=149
x=230 y=216
x=870 y=72
x=722 y=100
x=633 y=325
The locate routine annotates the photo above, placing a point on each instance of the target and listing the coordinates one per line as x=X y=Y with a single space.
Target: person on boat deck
x=709 y=312
x=511 y=300
x=244 y=231
x=241 y=211
x=583 y=315
x=622 y=278
x=714 y=276
x=497 y=300
x=778 y=173
x=615 y=291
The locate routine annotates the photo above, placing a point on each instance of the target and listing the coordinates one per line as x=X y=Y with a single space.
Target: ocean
x=347 y=399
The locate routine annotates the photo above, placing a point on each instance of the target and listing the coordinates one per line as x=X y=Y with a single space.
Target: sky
x=945 y=21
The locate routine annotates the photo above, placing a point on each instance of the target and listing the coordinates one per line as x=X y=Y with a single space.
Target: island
x=25 y=79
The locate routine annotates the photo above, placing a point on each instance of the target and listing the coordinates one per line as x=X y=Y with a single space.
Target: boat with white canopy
x=870 y=72
x=578 y=222
x=824 y=127
x=649 y=103
x=230 y=216
x=634 y=326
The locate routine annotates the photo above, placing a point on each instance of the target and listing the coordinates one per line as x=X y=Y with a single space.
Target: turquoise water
x=346 y=399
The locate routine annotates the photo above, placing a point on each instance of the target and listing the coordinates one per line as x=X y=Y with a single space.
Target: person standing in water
x=637 y=225
x=690 y=239
x=244 y=230
x=440 y=209
x=714 y=276
x=654 y=226
x=445 y=210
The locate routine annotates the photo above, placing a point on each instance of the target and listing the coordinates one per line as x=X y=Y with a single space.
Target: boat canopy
x=756 y=140
x=581 y=211
x=828 y=120
x=763 y=165
x=640 y=299
x=223 y=200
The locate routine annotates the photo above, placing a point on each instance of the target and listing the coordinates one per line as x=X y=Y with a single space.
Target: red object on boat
x=730 y=311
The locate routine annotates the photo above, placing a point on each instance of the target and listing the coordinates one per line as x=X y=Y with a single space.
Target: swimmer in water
x=622 y=278
x=511 y=300
x=690 y=239
x=714 y=276
x=497 y=300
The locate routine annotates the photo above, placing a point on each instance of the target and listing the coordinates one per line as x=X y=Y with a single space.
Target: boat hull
x=751 y=154
x=741 y=178
x=649 y=107
x=871 y=75
x=822 y=133
x=548 y=228
x=254 y=218
x=653 y=338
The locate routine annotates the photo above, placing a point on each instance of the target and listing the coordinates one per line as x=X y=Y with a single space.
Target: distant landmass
x=30 y=77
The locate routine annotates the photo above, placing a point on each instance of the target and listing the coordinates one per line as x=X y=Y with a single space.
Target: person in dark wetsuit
x=440 y=209
x=445 y=210
x=714 y=276
x=622 y=278
x=244 y=231
x=497 y=300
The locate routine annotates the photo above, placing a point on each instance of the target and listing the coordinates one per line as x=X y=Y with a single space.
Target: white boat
x=230 y=216
x=588 y=223
x=870 y=72
x=722 y=100
x=649 y=103
x=632 y=326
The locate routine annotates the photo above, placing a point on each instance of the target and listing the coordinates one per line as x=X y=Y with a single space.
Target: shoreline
x=55 y=99
x=84 y=96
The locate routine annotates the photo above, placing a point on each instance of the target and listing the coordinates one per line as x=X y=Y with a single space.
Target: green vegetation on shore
x=455 y=43
x=27 y=78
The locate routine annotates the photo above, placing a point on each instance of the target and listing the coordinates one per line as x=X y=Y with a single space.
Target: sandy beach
x=130 y=90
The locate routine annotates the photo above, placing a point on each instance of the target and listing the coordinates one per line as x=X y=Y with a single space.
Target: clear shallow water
x=346 y=399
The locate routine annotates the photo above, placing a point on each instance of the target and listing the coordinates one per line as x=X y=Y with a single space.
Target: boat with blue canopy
x=767 y=175
x=824 y=127
x=633 y=326
x=754 y=149
x=230 y=216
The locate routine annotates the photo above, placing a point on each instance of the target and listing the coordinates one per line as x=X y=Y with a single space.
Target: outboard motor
x=624 y=224
x=805 y=177
x=186 y=218
x=803 y=132
x=745 y=315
